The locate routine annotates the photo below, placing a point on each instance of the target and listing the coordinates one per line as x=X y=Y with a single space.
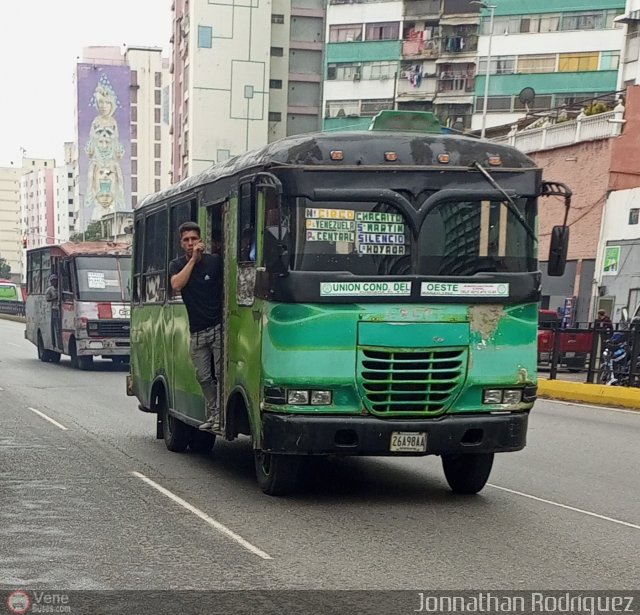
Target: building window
x=134 y=167
x=383 y=31
x=134 y=131
x=275 y=84
x=633 y=215
x=533 y=24
x=134 y=200
x=157 y=97
x=134 y=184
x=157 y=133
x=134 y=77
x=205 y=37
x=609 y=60
x=276 y=18
x=157 y=115
x=134 y=113
x=158 y=79
x=277 y=52
x=70 y=175
x=578 y=62
x=582 y=21
x=275 y=116
x=537 y=64
x=134 y=96
x=156 y=185
x=345 y=34
x=157 y=168
x=502 y=65
x=134 y=149
x=156 y=150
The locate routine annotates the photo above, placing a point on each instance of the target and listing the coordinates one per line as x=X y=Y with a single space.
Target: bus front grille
x=109 y=328
x=410 y=381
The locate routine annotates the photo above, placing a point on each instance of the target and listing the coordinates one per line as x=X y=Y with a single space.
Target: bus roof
x=86 y=248
x=359 y=149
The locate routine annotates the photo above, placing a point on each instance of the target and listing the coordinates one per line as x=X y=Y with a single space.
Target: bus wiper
x=513 y=208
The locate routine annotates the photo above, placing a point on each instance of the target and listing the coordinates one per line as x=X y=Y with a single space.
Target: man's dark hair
x=189 y=226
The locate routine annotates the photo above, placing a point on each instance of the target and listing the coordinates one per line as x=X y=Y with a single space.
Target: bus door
x=66 y=286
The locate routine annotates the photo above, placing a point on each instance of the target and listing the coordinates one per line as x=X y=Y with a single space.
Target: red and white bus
x=90 y=316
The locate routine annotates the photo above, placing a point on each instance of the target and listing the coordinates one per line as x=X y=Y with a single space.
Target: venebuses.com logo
x=18 y=602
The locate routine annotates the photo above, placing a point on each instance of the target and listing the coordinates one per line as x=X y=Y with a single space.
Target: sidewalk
x=625 y=397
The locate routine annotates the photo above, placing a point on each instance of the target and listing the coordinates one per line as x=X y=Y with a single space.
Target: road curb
x=12 y=317
x=599 y=394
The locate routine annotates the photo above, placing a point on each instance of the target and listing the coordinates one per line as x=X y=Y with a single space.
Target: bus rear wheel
x=467 y=473
x=276 y=474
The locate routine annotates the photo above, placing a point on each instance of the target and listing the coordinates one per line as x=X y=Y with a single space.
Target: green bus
x=388 y=304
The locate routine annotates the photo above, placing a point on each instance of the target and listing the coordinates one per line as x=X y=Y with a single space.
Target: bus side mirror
x=276 y=258
x=558 y=250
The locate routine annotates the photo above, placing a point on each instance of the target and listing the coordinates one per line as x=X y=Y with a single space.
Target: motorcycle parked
x=615 y=363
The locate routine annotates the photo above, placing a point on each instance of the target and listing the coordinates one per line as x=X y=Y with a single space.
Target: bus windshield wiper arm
x=513 y=208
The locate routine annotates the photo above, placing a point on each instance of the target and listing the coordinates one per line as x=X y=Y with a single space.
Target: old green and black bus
x=389 y=305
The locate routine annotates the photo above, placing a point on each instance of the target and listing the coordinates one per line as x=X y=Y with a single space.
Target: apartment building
x=37 y=202
x=244 y=74
x=10 y=220
x=409 y=55
x=122 y=146
x=546 y=54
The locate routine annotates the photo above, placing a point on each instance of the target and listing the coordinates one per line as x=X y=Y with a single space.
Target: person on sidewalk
x=198 y=277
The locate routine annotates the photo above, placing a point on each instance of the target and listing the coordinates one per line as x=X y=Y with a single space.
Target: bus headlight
x=297 y=397
x=492 y=396
x=320 y=398
x=511 y=396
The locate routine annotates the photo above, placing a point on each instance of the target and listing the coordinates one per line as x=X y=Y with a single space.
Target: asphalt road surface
x=89 y=499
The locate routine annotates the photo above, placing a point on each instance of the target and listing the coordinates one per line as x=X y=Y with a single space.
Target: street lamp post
x=492 y=8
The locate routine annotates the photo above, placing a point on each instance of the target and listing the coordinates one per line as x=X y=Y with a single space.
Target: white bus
x=90 y=315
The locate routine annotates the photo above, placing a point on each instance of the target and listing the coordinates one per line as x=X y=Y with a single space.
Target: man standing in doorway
x=198 y=276
x=51 y=296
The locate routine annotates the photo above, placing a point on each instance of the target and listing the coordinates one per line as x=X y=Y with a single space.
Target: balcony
x=456 y=83
x=458 y=45
x=422 y=8
x=424 y=89
x=419 y=49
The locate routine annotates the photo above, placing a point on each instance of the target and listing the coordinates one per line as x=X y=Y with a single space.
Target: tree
x=94 y=232
x=5 y=268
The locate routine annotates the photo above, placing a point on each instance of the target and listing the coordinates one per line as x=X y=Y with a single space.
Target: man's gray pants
x=205 y=349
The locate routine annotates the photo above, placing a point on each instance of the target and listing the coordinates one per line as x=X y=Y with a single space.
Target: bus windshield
x=104 y=278
x=8 y=292
x=456 y=239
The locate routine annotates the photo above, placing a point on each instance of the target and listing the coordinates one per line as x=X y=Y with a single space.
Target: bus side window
x=65 y=279
x=246 y=247
x=138 y=243
x=155 y=258
x=180 y=213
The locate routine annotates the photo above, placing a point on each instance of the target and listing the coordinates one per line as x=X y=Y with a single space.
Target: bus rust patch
x=484 y=319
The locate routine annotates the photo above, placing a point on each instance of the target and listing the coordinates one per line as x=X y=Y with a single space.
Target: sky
x=40 y=43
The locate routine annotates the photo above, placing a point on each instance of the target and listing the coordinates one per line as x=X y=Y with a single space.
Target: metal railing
x=14 y=308
x=580 y=349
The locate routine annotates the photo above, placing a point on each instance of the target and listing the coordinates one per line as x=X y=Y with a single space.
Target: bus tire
x=467 y=473
x=177 y=434
x=54 y=357
x=276 y=474
x=43 y=354
x=201 y=441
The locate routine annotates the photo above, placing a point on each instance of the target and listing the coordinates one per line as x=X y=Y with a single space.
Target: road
x=94 y=501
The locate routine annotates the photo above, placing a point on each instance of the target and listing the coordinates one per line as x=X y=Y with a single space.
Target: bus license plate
x=408 y=442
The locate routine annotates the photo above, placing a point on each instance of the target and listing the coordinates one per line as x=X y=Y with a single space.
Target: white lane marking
x=212 y=522
x=565 y=506
x=48 y=418
x=579 y=405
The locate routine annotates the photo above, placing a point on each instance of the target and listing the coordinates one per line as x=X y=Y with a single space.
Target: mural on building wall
x=104 y=140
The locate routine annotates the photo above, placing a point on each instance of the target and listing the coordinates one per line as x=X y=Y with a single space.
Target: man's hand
x=198 y=249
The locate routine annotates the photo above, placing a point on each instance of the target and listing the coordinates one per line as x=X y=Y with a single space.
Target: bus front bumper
x=354 y=435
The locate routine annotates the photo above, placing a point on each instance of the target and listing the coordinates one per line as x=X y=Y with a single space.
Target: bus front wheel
x=176 y=433
x=276 y=474
x=467 y=473
x=83 y=363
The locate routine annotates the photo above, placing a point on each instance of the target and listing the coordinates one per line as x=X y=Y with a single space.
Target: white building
x=63 y=205
x=10 y=220
x=244 y=74
x=37 y=202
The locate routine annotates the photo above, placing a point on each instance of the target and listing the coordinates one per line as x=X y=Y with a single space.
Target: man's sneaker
x=211 y=424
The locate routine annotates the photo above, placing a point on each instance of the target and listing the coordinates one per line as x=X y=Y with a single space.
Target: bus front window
x=104 y=278
x=360 y=238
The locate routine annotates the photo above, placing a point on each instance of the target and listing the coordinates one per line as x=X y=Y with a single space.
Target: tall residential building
x=408 y=55
x=37 y=202
x=236 y=88
x=122 y=142
x=63 y=200
x=546 y=54
x=10 y=221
